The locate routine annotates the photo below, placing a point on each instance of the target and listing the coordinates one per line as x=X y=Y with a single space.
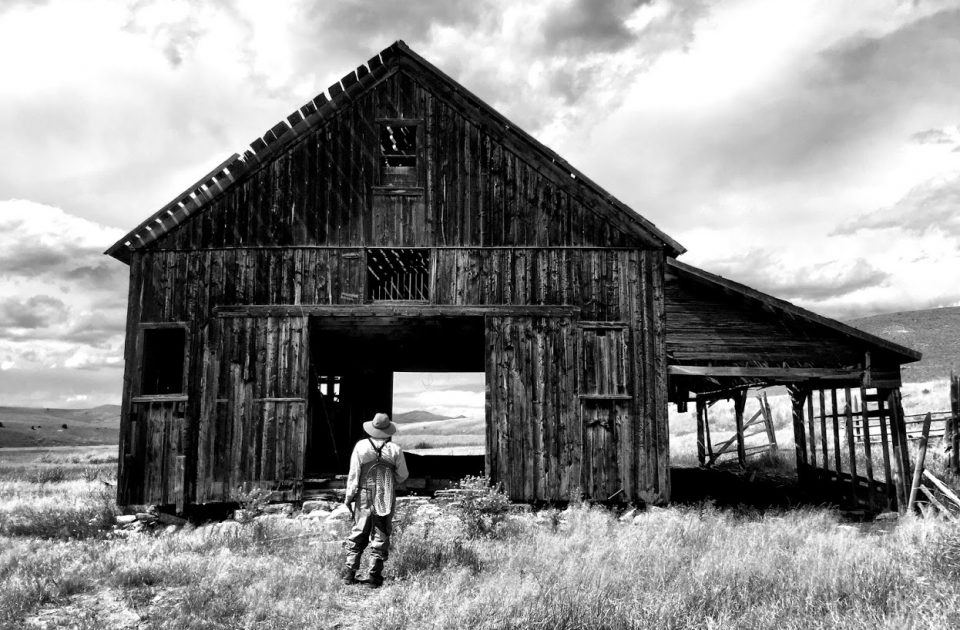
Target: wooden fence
x=860 y=444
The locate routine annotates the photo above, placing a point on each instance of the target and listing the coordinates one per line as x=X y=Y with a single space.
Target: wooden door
x=254 y=407
x=534 y=438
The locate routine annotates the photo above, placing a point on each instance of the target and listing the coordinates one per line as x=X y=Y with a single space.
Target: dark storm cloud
x=814 y=283
x=588 y=26
x=38 y=311
x=353 y=23
x=933 y=205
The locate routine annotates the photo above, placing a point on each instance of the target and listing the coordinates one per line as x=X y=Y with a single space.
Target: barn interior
x=353 y=361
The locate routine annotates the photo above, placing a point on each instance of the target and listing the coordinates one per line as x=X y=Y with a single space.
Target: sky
x=810 y=148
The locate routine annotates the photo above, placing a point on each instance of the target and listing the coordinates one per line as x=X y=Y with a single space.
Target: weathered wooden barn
x=398 y=223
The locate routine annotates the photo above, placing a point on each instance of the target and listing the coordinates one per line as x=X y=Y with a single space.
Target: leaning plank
x=918 y=471
x=932 y=497
x=942 y=487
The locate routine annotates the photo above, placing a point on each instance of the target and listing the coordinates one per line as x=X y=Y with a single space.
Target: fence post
x=954 y=441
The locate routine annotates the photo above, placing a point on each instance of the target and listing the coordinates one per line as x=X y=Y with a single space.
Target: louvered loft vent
x=398 y=274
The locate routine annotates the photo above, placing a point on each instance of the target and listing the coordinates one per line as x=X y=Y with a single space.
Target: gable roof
x=311 y=115
x=791 y=310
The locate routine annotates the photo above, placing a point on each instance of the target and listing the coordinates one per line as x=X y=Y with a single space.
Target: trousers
x=369 y=529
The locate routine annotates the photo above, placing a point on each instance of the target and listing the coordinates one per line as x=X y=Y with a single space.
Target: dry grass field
x=62 y=564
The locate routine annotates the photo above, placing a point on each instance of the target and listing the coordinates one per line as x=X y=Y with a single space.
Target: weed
x=482 y=506
x=44 y=474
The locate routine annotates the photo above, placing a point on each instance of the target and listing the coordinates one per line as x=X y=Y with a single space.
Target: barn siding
x=607 y=285
x=478 y=187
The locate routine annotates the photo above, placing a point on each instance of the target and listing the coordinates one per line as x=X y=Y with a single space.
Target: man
x=376 y=467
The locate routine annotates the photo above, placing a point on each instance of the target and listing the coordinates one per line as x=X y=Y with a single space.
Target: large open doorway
x=353 y=365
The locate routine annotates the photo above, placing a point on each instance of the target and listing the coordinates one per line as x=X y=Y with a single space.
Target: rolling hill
x=38 y=426
x=934 y=332
x=419 y=415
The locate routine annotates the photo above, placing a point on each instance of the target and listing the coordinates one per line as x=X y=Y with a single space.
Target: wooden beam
x=392 y=310
x=774 y=373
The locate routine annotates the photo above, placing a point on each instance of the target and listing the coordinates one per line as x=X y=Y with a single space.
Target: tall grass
x=676 y=568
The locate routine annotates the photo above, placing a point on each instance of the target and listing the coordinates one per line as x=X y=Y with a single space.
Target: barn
x=398 y=223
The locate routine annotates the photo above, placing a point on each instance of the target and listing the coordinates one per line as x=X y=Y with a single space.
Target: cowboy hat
x=380 y=426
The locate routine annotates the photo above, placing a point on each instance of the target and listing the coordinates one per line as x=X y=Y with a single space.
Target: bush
x=86 y=518
x=44 y=474
x=482 y=507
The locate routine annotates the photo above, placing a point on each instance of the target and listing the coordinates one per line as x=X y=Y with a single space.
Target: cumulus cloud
x=62 y=302
x=933 y=205
x=814 y=283
x=38 y=311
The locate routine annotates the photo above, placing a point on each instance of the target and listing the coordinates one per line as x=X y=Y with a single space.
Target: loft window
x=164 y=359
x=398 y=154
x=604 y=360
x=398 y=274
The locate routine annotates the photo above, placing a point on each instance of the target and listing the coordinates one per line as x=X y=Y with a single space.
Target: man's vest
x=377 y=478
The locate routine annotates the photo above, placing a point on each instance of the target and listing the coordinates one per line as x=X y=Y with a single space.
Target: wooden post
x=701 y=448
x=955 y=434
x=852 y=447
x=798 y=398
x=823 y=432
x=918 y=471
x=884 y=448
x=706 y=432
x=868 y=454
x=900 y=454
x=813 y=433
x=837 y=449
x=739 y=402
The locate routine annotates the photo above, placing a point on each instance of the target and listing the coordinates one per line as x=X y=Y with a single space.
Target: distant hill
x=934 y=332
x=38 y=426
x=419 y=415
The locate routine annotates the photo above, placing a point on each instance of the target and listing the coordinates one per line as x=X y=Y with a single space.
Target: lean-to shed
x=398 y=223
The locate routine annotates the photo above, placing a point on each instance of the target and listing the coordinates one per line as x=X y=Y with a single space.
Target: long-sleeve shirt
x=364 y=453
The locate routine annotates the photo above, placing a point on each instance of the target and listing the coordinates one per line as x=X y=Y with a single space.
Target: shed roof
x=763 y=300
x=282 y=135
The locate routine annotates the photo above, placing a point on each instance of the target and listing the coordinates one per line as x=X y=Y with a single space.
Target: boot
x=348 y=575
x=375 y=576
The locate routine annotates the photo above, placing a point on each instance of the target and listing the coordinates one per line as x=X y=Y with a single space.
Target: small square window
x=398 y=274
x=398 y=154
x=164 y=351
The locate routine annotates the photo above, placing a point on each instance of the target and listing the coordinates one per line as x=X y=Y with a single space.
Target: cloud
x=589 y=26
x=938 y=136
x=38 y=311
x=815 y=283
x=933 y=205
x=62 y=302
